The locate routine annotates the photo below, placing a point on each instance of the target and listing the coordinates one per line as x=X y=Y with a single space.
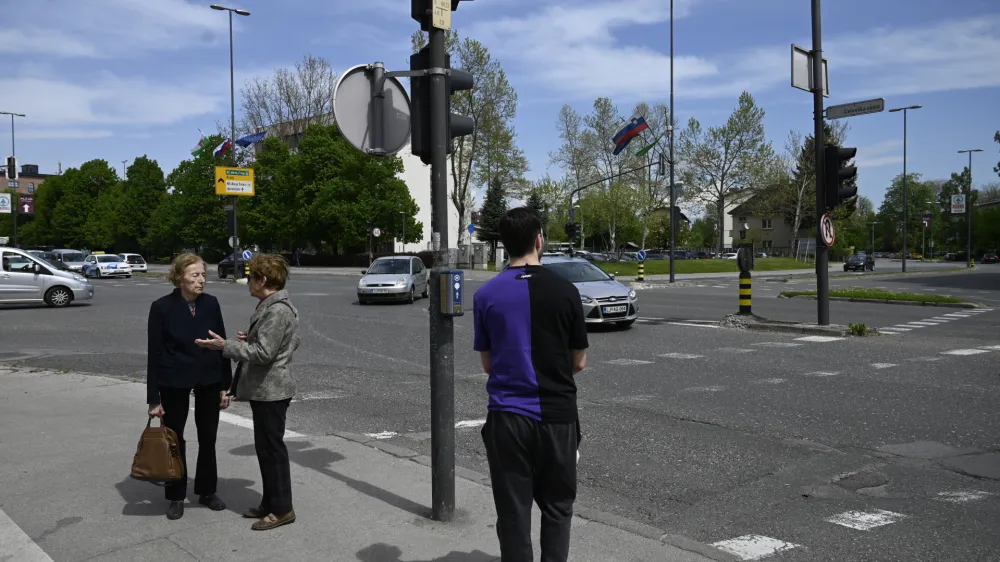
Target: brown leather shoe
x=255 y=513
x=272 y=521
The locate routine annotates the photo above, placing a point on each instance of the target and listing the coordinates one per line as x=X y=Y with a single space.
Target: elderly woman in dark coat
x=264 y=378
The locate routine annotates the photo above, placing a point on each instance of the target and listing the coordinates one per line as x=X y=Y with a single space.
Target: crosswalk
x=899 y=329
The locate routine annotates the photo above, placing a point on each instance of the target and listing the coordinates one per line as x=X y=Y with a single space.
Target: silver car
x=393 y=278
x=72 y=258
x=25 y=278
x=605 y=300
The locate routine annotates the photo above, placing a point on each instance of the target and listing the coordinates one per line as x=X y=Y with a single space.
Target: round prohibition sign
x=827 y=231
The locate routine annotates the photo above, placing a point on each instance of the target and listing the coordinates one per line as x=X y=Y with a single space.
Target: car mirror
x=364 y=271
x=37 y=269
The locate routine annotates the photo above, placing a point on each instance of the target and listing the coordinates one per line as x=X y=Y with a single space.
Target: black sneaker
x=176 y=510
x=213 y=502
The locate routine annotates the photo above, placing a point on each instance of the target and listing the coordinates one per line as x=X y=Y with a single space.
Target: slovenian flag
x=636 y=125
x=222 y=148
x=252 y=138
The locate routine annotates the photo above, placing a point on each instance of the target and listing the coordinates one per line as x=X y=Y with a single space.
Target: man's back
x=530 y=320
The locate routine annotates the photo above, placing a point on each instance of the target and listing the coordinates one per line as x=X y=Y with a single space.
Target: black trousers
x=272 y=455
x=176 y=404
x=528 y=461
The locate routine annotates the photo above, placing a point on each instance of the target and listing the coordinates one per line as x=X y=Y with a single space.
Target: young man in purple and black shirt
x=532 y=337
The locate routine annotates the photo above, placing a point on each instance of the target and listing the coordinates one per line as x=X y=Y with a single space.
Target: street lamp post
x=906 y=217
x=12 y=153
x=232 y=124
x=673 y=195
x=402 y=241
x=968 y=209
x=872 y=224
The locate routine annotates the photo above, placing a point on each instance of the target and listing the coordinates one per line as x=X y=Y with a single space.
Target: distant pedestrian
x=532 y=338
x=296 y=256
x=176 y=366
x=264 y=377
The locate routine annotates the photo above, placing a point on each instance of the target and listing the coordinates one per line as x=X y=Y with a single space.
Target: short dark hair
x=518 y=230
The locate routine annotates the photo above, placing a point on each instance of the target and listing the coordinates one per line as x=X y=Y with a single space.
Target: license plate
x=380 y=290
x=614 y=309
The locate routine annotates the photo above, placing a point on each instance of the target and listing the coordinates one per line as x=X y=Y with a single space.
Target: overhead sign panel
x=234 y=181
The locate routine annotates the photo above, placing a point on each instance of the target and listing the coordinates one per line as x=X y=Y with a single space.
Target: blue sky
x=114 y=79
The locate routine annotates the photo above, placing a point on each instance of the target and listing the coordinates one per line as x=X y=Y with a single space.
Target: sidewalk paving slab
x=67 y=442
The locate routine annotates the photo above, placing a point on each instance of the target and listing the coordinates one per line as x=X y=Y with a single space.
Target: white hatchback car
x=135 y=261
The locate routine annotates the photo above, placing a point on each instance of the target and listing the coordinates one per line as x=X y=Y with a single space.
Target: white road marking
x=884 y=365
x=770 y=381
x=935 y=322
x=382 y=435
x=956 y=315
x=693 y=325
x=720 y=286
x=735 y=350
x=921 y=323
x=909 y=326
x=964 y=352
x=754 y=547
x=865 y=520
x=926 y=359
x=142 y=284
x=704 y=389
x=247 y=423
x=681 y=356
x=942 y=318
x=819 y=339
x=314 y=294
x=962 y=497
x=992 y=347
x=777 y=344
x=469 y=423
x=17 y=545
x=822 y=374
x=894 y=329
x=628 y=362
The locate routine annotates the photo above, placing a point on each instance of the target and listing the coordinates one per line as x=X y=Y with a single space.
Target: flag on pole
x=252 y=138
x=199 y=148
x=636 y=125
x=222 y=148
x=644 y=150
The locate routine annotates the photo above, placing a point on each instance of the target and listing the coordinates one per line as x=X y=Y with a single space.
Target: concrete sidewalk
x=67 y=441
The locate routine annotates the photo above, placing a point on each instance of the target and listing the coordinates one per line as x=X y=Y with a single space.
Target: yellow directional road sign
x=234 y=181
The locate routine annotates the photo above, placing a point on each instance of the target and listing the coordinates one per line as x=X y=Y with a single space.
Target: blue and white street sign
x=641 y=254
x=247 y=254
x=472 y=228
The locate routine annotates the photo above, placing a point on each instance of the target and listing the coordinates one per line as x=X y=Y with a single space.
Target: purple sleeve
x=481 y=341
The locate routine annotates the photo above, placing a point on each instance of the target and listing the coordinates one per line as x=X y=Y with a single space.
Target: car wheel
x=58 y=297
x=98 y=271
x=626 y=324
x=410 y=297
x=425 y=294
x=846 y=268
x=222 y=274
x=129 y=276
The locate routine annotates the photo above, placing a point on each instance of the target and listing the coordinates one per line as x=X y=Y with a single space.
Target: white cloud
x=585 y=57
x=885 y=153
x=109 y=28
x=31 y=132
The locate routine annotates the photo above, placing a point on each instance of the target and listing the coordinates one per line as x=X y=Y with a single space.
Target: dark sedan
x=226 y=266
x=860 y=262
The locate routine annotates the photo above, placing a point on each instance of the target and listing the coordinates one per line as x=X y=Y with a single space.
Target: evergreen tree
x=536 y=204
x=493 y=211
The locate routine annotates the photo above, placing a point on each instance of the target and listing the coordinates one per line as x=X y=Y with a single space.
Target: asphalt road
x=706 y=432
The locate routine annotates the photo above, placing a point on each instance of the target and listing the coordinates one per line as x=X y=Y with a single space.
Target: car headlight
x=631 y=294
x=79 y=278
x=362 y=283
x=401 y=282
x=586 y=299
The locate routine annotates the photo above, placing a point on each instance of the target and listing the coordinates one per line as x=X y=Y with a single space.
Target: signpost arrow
x=27 y=205
x=856 y=108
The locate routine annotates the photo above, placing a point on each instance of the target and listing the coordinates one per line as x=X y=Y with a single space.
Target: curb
x=658 y=285
x=761 y=324
x=890 y=301
x=583 y=512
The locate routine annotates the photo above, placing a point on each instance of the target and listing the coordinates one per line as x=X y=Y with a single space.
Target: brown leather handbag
x=158 y=456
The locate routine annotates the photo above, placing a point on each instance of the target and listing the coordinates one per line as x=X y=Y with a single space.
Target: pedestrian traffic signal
x=836 y=174
x=420 y=105
x=572 y=231
x=11 y=168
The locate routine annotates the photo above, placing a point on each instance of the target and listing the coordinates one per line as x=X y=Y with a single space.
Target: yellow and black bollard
x=745 y=292
x=642 y=270
x=246 y=269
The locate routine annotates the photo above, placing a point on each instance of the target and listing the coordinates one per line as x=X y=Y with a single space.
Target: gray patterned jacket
x=266 y=356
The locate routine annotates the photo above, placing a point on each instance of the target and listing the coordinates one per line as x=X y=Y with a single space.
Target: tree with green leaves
x=952 y=229
x=539 y=206
x=722 y=162
x=492 y=105
x=493 y=211
x=78 y=198
x=890 y=214
x=141 y=193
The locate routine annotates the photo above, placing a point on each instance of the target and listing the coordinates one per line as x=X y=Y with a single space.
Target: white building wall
x=417 y=176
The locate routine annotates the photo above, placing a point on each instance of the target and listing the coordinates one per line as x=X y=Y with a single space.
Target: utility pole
x=906 y=197
x=822 y=251
x=670 y=124
x=13 y=173
x=968 y=209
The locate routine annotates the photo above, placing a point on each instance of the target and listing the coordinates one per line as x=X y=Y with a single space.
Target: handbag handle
x=150 y=421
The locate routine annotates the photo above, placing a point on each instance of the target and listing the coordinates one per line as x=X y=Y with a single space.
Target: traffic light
x=835 y=175
x=420 y=105
x=572 y=231
x=11 y=168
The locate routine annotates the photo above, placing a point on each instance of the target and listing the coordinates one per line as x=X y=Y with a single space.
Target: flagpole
x=670 y=124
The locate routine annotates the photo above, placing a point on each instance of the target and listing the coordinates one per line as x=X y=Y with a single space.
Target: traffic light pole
x=442 y=328
x=822 y=251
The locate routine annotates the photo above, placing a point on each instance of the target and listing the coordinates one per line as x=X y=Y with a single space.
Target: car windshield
x=108 y=259
x=73 y=257
x=577 y=271
x=389 y=267
x=135 y=259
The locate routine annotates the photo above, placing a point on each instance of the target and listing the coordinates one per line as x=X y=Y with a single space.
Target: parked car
x=990 y=257
x=72 y=258
x=393 y=278
x=25 y=279
x=605 y=300
x=860 y=262
x=225 y=267
x=106 y=265
x=135 y=261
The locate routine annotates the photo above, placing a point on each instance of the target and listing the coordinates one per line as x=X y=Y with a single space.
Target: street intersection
x=774 y=445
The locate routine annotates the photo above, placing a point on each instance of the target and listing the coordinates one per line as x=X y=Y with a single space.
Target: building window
x=767 y=224
x=743 y=235
x=31 y=187
x=742 y=219
x=766 y=244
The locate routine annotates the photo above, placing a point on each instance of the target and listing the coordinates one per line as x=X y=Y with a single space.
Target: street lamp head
x=242 y=12
x=904 y=108
x=970 y=150
x=217 y=7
